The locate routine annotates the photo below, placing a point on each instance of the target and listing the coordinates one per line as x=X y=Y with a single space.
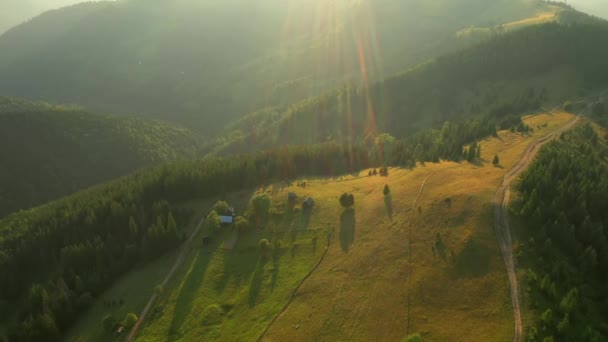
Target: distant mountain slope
x=14 y=12
x=206 y=62
x=510 y=74
x=47 y=151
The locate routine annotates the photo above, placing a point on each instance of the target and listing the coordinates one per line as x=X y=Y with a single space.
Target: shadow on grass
x=188 y=292
x=255 y=286
x=388 y=203
x=276 y=265
x=301 y=223
x=238 y=265
x=347 y=229
x=440 y=248
x=474 y=260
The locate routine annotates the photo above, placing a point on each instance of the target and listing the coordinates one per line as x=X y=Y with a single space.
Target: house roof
x=226 y=219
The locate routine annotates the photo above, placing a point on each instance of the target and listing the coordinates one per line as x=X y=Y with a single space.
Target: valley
x=303 y=170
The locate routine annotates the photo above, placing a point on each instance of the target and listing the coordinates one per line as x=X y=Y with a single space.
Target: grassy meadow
x=458 y=288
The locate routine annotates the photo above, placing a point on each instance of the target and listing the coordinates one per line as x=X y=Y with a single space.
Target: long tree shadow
x=388 y=203
x=276 y=265
x=238 y=266
x=256 y=281
x=301 y=223
x=189 y=290
x=347 y=228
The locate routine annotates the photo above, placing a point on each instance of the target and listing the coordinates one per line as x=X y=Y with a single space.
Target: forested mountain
x=51 y=151
x=510 y=74
x=207 y=62
x=563 y=206
x=14 y=12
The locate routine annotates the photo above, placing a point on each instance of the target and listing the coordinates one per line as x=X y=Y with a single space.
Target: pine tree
x=496 y=160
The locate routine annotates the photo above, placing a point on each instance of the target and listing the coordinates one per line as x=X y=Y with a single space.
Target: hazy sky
x=595 y=7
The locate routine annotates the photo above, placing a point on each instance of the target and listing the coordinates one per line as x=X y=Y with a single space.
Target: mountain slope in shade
x=206 y=62
x=47 y=151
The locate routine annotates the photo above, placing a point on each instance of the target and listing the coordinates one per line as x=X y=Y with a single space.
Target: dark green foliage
x=109 y=324
x=496 y=160
x=564 y=201
x=241 y=224
x=212 y=222
x=48 y=152
x=386 y=191
x=264 y=247
x=221 y=207
x=129 y=320
x=347 y=200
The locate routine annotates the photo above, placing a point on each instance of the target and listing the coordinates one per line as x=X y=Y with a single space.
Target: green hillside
x=206 y=62
x=51 y=151
x=542 y=65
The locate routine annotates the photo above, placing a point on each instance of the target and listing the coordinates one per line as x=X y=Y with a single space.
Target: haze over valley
x=303 y=170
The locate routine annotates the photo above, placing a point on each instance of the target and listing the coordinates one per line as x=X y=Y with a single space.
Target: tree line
x=563 y=206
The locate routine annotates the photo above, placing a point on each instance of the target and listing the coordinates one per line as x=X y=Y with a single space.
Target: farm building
x=226 y=220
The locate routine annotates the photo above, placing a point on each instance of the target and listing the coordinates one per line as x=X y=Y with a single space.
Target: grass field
x=361 y=291
x=232 y=295
x=458 y=288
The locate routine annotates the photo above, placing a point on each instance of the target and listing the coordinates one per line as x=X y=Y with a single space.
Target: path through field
x=501 y=220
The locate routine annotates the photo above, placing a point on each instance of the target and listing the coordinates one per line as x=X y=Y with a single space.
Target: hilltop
x=206 y=63
x=50 y=151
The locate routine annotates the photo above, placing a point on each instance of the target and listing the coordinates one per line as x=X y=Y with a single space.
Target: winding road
x=501 y=219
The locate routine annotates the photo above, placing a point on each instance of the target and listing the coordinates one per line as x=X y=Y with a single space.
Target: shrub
x=242 y=225
x=264 y=247
x=212 y=222
x=221 y=207
x=347 y=200
x=129 y=320
x=212 y=315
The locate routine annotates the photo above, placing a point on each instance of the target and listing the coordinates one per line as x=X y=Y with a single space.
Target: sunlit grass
x=459 y=287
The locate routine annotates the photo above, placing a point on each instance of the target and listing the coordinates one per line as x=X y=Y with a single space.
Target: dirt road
x=501 y=220
x=178 y=262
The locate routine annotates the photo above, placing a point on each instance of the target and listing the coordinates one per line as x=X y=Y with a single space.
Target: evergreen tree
x=386 y=190
x=496 y=160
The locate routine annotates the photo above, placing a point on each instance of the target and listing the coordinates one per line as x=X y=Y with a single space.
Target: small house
x=226 y=220
x=308 y=203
